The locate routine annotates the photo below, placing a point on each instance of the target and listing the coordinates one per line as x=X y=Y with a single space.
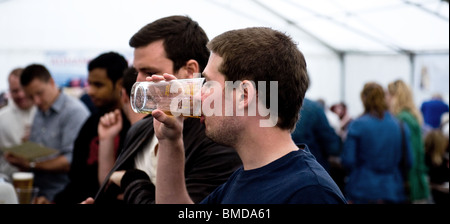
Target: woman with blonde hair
x=401 y=104
x=372 y=152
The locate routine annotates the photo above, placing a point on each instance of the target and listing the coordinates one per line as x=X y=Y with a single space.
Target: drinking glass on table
x=23 y=184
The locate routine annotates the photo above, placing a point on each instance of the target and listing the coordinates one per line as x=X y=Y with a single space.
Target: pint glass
x=176 y=97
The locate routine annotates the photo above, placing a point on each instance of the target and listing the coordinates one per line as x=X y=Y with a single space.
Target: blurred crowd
x=364 y=154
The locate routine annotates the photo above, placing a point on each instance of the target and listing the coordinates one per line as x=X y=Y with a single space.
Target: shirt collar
x=58 y=105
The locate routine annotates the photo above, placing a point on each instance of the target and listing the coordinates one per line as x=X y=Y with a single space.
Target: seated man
x=105 y=85
x=55 y=125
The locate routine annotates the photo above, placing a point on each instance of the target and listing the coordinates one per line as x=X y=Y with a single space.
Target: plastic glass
x=26 y=195
x=22 y=179
x=174 y=98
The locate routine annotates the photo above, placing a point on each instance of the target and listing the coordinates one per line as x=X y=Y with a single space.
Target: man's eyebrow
x=146 y=68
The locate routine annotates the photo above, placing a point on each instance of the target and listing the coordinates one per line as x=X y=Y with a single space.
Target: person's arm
x=59 y=164
x=170 y=179
x=108 y=128
x=136 y=185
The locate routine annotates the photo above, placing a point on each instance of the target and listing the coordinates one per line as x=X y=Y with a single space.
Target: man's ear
x=247 y=91
x=124 y=96
x=118 y=84
x=190 y=68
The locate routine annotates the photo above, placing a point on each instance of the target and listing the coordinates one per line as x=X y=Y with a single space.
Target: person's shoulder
x=312 y=106
x=194 y=128
x=193 y=123
x=424 y=103
x=74 y=103
x=444 y=105
x=302 y=160
x=407 y=117
x=5 y=114
x=305 y=157
x=317 y=194
x=143 y=125
x=360 y=121
x=93 y=119
x=404 y=114
x=5 y=110
x=314 y=177
x=144 y=122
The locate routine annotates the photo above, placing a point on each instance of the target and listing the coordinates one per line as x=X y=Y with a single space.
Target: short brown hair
x=264 y=54
x=372 y=97
x=183 y=40
x=34 y=71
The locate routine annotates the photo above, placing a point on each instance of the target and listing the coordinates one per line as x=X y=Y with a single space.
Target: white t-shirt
x=147 y=159
x=13 y=123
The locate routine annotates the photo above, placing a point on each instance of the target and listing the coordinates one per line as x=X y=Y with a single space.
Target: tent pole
x=412 y=62
x=421 y=7
x=342 y=74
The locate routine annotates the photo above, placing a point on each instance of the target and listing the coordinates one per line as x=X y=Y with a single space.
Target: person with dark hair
x=176 y=45
x=373 y=151
x=55 y=125
x=182 y=40
x=110 y=125
x=340 y=109
x=257 y=62
x=129 y=79
x=113 y=73
x=105 y=85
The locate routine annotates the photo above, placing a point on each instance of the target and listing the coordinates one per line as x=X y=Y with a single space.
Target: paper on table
x=30 y=150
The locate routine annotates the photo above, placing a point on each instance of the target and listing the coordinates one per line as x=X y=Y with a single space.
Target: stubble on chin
x=223 y=131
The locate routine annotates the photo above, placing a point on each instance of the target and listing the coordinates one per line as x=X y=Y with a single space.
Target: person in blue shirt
x=55 y=125
x=258 y=62
x=432 y=111
x=372 y=152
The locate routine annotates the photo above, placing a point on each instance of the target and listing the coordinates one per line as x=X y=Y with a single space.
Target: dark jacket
x=83 y=172
x=314 y=130
x=207 y=163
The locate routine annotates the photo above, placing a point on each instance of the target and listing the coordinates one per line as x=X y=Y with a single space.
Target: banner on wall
x=69 y=68
x=431 y=76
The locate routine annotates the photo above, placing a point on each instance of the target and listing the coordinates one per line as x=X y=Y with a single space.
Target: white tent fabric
x=346 y=42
